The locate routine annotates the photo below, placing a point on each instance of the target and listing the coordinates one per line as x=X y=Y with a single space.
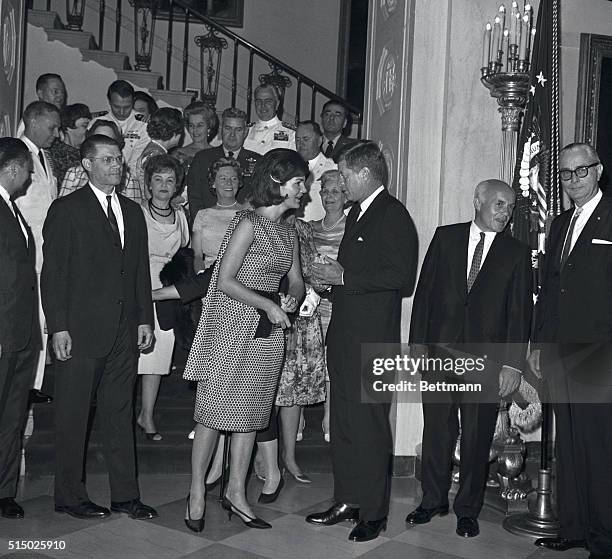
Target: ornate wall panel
x=12 y=25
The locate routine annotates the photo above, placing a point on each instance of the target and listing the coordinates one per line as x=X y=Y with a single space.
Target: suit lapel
x=99 y=217
x=495 y=258
x=358 y=226
x=588 y=232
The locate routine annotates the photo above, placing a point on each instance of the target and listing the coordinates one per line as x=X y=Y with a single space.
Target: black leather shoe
x=334 y=515
x=271 y=497
x=559 y=544
x=38 y=397
x=10 y=509
x=423 y=516
x=467 y=527
x=84 y=510
x=135 y=509
x=367 y=530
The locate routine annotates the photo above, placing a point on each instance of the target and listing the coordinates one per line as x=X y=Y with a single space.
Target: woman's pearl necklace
x=228 y=206
x=325 y=228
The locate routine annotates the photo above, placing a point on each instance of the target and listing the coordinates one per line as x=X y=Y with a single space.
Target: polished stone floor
x=290 y=538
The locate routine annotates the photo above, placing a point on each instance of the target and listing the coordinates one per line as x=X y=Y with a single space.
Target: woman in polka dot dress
x=238 y=349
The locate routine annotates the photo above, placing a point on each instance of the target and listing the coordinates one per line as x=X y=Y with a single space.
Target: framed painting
x=225 y=12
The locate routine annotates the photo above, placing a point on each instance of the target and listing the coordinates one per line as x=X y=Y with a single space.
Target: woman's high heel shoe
x=251 y=523
x=195 y=525
x=271 y=497
x=300 y=432
x=325 y=433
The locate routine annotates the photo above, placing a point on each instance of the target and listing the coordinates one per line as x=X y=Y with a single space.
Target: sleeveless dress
x=238 y=374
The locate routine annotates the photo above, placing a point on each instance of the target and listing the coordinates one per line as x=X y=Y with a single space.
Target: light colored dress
x=212 y=224
x=302 y=381
x=237 y=373
x=164 y=241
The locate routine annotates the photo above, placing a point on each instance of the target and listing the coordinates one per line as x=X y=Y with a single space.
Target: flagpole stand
x=510 y=89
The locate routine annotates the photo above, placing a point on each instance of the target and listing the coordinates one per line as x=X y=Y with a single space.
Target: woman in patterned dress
x=327 y=234
x=238 y=349
x=168 y=231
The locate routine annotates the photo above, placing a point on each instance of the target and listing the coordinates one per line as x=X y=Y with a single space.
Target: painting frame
x=229 y=13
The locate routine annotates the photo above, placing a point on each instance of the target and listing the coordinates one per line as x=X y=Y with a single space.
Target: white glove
x=311 y=302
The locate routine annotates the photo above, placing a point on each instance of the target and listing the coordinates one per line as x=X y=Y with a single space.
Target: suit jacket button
x=563 y=291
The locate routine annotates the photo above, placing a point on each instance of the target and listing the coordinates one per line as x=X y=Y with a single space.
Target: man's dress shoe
x=467 y=527
x=84 y=510
x=10 y=509
x=135 y=509
x=38 y=397
x=367 y=530
x=559 y=544
x=334 y=515
x=423 y=516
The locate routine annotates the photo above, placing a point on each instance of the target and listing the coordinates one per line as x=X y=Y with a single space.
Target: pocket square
x=361 y=239
x=601 y=242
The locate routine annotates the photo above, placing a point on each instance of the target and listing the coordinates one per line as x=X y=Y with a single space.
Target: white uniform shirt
x=270 y=134
x=317 y=166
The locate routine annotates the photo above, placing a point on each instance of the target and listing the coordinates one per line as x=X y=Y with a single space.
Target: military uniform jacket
x=271 y=134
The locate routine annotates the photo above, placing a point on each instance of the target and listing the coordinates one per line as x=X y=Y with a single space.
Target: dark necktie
x=112 y=219
x=476 y=260
x=567 y=246
x=329 y=149
x=352 y=216
x=230 y=155
x=42 y=160
x=19 y=220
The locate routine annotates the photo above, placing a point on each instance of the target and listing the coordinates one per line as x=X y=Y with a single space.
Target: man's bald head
x=494 y=204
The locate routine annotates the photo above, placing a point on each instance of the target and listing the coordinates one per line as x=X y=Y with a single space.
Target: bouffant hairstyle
x=101 y=123
x=165 y=123
x=151 y=103
x=219 y=164
x=71 y=113
x=159 y=163
x=209 y=114
x=274 y=169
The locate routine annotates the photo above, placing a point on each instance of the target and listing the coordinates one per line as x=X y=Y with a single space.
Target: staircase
x=119 y=62
x=174 y=420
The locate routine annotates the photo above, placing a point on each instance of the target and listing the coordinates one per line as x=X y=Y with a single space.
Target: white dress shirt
x=474 y=240
x=581 y=220
x=115 y=205
x=7 y=198
x=368 y=201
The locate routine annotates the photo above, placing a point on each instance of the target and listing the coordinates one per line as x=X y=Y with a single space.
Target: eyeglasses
x=581 y=172
x=109 y=159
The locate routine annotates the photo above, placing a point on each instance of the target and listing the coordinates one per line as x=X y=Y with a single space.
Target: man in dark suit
x=334 y=121
x=474 y=291
x=19 y=330
x=96 y=293
x=233 y=133
x=573 y=335
x=377 y=261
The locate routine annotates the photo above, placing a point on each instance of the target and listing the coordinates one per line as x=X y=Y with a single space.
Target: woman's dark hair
x=274 y=169
x=159 y=163
x=209 y=114
x=107 y=124
x=151 y=104
x=165 y=123
x=219 y=164
x=71 y=113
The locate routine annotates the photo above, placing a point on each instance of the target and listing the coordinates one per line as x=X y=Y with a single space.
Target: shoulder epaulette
x=289 y=125
x=141 y=117
x=98 y=114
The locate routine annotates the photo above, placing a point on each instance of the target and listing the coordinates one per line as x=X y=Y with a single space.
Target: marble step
x=179 y=99
x=147 y=80
x=114 y=60
x=77 y=39
x=45 y=19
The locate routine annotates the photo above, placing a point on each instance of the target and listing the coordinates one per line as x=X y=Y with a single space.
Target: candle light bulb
x=486 y=45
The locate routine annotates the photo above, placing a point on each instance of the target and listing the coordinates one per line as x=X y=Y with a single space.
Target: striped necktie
x=476 y=260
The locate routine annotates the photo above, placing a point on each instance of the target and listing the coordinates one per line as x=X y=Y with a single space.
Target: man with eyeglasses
x=233 y=132
x=572 y=352
x=269 y=132
x=96 y=292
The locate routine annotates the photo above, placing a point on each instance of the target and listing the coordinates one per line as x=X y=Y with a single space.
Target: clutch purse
x=264 y=326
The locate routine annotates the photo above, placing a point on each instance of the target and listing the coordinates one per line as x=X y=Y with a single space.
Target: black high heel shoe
x=195 y=525
x=251 y=523
x=271 y=497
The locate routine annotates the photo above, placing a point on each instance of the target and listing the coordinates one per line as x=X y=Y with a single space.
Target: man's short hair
x=270 y=86
x=332 y=102
x=165 y=123
x=274 y=169
x=89 y=148
x=163 y=162
x=13 y=150
x=233 y=112
x=121 y=88
x=366 y=154
x=107 y=124
x=44 y=79
x=582 y=146
x=315 y=126
x=36 y=109
x=209 y=114
x=71 y=113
